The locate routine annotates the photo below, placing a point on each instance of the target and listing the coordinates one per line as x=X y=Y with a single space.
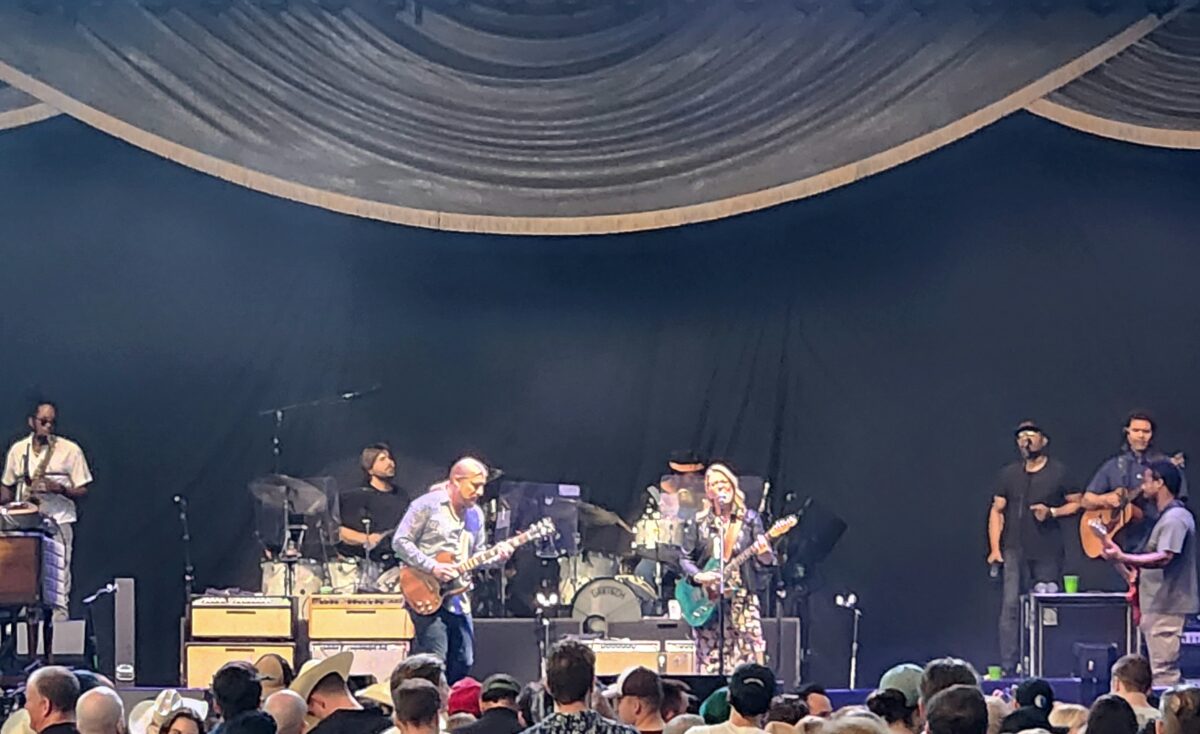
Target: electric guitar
x=698 y=603
x=1113 y=518
x=424 y=594
x=1100 y=530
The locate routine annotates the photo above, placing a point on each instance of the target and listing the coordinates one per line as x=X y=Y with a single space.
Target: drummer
x=370 y=513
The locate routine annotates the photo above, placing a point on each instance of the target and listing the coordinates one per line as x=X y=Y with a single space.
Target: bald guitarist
x=447 y=519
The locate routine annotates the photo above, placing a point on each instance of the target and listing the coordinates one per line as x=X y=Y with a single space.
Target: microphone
x=180 y=500
x=109 y=588
x=356 y=394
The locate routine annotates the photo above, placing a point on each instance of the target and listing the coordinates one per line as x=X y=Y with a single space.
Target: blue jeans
x=451 y=637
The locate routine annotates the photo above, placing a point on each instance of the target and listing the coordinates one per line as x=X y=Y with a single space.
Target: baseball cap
x=751 y=688
x=500 y=685
x=1028 y=426
x=905 y=678
x=464 y=697
x=639 y=682
x=1035 y=692
x=715 y=709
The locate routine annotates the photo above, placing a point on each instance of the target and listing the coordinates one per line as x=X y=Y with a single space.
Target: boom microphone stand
x=189 y=571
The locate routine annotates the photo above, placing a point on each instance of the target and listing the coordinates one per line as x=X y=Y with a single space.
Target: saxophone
x=35 y=483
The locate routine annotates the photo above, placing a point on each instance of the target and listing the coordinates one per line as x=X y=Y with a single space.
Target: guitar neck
x=491 y=554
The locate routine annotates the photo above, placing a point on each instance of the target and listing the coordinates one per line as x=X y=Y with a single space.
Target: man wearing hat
x=638 y=697
x=1035 y=700
x=322 y=684
x=751 y=688
x=498 y=705
x=1024 y=536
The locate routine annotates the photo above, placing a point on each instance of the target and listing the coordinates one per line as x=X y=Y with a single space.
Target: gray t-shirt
x=1172 y=589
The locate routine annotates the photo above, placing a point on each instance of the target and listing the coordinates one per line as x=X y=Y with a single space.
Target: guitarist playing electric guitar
x=726 y=529
x=447 y=520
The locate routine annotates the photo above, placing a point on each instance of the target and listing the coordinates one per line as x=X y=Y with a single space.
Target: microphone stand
x=721 y=600
x=277 y=414
x=189 y=571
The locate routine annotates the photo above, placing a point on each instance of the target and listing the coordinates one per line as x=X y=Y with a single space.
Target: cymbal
x=595 y=516
x=273 y=489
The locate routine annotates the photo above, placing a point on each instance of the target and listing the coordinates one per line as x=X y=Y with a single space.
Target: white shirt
x=725 y=728
x=67 y=465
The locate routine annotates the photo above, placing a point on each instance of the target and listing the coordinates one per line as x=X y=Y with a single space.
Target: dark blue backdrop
x=872 y=347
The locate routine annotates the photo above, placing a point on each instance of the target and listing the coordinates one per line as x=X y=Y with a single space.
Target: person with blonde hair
x=1069 y=716
x=721 y=531
x=1180 y=708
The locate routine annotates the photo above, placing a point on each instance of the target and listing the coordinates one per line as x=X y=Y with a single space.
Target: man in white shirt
x=51 y=472
x=751 y=688
x=1132 y=681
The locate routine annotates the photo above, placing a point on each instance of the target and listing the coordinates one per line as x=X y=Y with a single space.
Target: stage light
x=547 y=600
x=846 y=601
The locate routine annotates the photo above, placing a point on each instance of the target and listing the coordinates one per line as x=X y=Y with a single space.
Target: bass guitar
x=424 y=593
x=1113 y=518
x=1100 y=530
x=698 y=603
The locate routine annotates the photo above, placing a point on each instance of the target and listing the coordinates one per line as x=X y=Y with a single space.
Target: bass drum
x=575 y=572
x=614 y=600
x=307 y=578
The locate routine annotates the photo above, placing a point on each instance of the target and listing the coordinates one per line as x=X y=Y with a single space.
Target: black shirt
x=385 y=510
x=352 y=721
x=64 y=728
x=1048 y=487
x=499 y=720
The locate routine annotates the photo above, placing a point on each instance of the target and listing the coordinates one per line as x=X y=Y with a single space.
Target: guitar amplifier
x=372 y=617
x=377 y=659
x=1054 y=624
x=202 y=659
x=680 y=657
x=242 y=618
x=613 y=657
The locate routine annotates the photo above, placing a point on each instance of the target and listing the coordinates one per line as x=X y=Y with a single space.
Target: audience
x=1035 y=700
x=1111 y=714
x=1070 y=717
x=183 y=721
x=571 y=679
x=236 y=691
x=250 y=722
x=956 y=709
x=751 y=689
x=154 y=716
x=1180 y=711
x=425 y=666
x=859 y=721
x=288 y=709
x=788 y=708
x=715 y=708
x=455 y=722
x=100 y=711
x=638 y=693
x=816 y=700
x=1132 y=681
x=677 y=699
x=464 y=698
x=274 y=674
x=811 y=725
x=51 y=694
x=417 y=705
x=683 y=723
x=323 y=686
x=534 y=703
x=499 y=713
x=998 y=710
x=943 y=673
x=893 y=707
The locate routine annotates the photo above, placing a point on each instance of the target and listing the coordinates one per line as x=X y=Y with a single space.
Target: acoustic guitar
x=424 y=594
x=698 y=603
x=1100 y=531
x=1113 y=518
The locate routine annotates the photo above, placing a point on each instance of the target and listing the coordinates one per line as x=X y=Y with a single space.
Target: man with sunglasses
x=51 y=472
x=1024 y=536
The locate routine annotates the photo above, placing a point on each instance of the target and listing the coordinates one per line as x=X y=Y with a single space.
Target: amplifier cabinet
x=202 y=659
x=242 y=618
x=376 y=659
x=613 y=657
x=1055 y=623
x=372 y=617
x=680 y=657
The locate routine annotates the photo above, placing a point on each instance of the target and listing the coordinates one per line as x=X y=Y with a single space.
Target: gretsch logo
x=618 y=591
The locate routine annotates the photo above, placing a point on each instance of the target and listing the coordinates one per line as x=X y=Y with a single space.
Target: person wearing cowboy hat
x=1024 y=536
x=148 y=717
x=322 y=685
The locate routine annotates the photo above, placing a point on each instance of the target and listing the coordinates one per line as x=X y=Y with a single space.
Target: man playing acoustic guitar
x=447 y=520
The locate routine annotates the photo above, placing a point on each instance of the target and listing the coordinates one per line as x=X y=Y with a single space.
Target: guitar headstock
x=543 y=528
x=782 y=526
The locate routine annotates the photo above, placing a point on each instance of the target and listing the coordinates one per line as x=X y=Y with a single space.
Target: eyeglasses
x=45 y=421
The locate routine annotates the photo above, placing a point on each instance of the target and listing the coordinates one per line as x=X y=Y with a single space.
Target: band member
x=371 y=513
x=446 y=520
x=725 y=529
x=1024 y=535
x=675 y=500
x=1119 y=479
x=1167 y=586
x=50 y=471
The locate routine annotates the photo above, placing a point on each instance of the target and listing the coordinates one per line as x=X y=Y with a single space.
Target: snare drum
x=343 y=575
x=307 y=579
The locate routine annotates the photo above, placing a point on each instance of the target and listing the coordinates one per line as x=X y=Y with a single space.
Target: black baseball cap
x=751 y=688
x=1028 y=426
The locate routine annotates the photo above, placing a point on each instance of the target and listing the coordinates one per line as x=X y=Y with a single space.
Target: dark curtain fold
x=544 y=117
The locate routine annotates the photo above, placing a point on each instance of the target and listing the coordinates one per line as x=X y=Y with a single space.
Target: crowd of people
x=943 y=697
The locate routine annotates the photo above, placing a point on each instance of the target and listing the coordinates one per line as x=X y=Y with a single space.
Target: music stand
x=528 y=502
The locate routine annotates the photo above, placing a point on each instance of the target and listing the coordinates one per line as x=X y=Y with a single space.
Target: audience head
x=570 y=672
x=100 y=711
x=811 y=725
x=464 y=697
x=1069 y=716
x=249 y=722
x=155 y=716
x=423 y=666
x=1111 y=714
x=499 y=690
x=638 y=693
x=1035 y=693
x=460 y=719
x=942 y=673
x=322 y=685
x=957 y=709
x=534 y=702
x=855 y=720
x=1180 y=708
x=998 y=710
x=715 y=708
x=236 y=689
x=893 y=707
x=1131 y=674
x=905 y=678
x=677 y=698
x=682 y=723
x=817 y=700
x=416 y=704
x=788 y=708
x=751 y=689
x=288 y=709
x=89 y=679
x=274 y=673
x=183 y=721
x=50 y=696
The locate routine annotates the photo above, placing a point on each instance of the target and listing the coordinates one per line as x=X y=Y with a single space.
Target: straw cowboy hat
x=380 y=693
x=313 y=671
x=148 y=716
x=18 y=723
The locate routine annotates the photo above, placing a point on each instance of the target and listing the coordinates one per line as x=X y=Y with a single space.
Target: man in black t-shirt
x=1031 y=494
x=370 y=513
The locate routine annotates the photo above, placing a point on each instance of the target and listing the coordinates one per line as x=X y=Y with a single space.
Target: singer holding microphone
x=1024 y=536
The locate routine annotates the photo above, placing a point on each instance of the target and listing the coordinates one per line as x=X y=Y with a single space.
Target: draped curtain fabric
x=549 y=116
x=1148 y=94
